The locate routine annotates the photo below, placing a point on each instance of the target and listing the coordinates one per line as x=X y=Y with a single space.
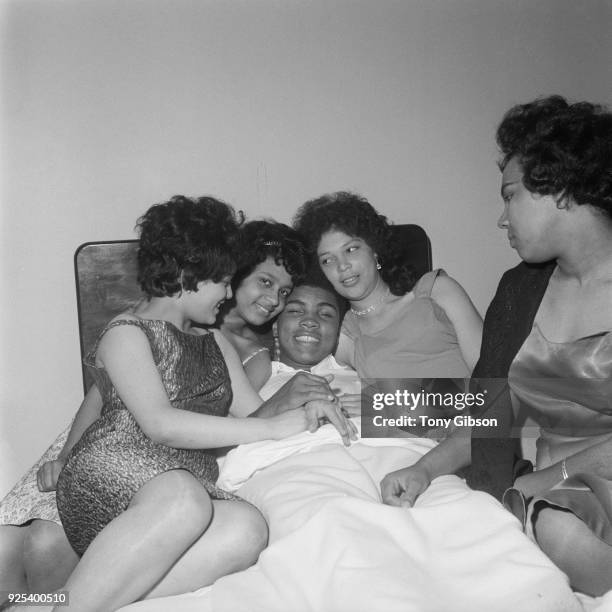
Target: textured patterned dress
x=24 y=502
x=114 y=458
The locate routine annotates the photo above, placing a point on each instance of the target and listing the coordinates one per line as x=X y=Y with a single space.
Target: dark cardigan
x=507 y=324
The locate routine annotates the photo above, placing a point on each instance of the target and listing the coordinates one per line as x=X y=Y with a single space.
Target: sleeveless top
x=114 y=458
x=419 y=343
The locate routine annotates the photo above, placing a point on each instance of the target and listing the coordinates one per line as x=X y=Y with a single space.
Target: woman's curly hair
x=564 y=149
x=258 y=240
x=185 y=241
x=355 y=216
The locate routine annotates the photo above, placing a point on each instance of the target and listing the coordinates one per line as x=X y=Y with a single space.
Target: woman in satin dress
x=549 y=327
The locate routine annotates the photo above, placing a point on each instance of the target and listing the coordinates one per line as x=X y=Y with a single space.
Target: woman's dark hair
x=185 y=241
x=352 y=214
x=563 y=149
x=258 y=240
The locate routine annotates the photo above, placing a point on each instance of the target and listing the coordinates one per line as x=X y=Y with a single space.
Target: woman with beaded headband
x=270 y=260
x=398 y=326
x=549 y=330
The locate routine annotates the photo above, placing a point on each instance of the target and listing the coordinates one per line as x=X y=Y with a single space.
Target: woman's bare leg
x=12 y=570
x=48 y=557
x=135 y=550
x=236 y=536
x=576 y=550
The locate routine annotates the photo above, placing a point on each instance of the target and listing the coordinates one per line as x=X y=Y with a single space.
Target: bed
x=334 y=547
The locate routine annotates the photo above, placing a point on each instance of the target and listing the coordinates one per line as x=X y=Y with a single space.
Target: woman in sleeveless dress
x=549 y=327
x=36 y=555
x=398 y=326
x=137 y=496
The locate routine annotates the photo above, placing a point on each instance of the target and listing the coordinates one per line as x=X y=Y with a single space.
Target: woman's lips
x=349 y=281
x=264 y=310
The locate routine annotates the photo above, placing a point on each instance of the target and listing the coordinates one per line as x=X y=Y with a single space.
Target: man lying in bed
x=308 y=331
x=333 y=545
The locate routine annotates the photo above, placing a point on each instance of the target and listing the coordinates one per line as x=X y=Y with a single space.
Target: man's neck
x=300 y=366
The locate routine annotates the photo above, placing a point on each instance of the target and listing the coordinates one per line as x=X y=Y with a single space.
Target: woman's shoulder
x=120 y=325
x=424 y=286
x=245 y=345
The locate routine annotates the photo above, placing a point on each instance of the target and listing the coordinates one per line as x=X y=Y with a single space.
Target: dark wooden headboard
x=415 y=246
x=105 y=275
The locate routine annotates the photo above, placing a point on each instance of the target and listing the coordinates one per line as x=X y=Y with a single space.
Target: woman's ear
x=563 y=201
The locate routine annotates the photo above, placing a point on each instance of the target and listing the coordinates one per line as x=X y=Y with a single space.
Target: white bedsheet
x=335 y=548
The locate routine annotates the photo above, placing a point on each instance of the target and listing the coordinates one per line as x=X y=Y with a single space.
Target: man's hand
x=319 y=412
x=401 y=488
x=351 y=404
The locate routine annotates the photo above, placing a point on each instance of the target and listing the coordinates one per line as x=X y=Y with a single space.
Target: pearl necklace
x=371 y=307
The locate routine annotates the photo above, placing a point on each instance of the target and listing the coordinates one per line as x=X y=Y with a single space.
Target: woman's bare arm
x=126 y=355
x=460 y=310
x=88 y=412
x=595 y=460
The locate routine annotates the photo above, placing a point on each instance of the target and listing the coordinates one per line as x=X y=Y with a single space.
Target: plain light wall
x=108 y=107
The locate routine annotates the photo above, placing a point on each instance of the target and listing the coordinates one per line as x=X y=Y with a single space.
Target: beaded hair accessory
x=272 y=243
x=276 y=341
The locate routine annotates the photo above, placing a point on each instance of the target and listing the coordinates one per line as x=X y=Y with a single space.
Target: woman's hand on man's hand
x=351 y=404
x=319 y=412
x=303 y=388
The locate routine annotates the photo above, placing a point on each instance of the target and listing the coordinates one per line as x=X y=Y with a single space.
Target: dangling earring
x=276 y=342
x=378 y=265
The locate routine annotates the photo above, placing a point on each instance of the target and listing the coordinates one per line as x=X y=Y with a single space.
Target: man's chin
x=306 y=359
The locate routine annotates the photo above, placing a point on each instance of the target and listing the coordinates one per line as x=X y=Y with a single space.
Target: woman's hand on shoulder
x=462 y=313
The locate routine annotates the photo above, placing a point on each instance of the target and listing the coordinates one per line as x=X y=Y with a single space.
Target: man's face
x=308 y=327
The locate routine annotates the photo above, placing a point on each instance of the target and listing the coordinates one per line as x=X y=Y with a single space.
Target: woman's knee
x=12 y=571
x=249 y=534
x=552 y=531
x=44 y=542
x=48 y=557
x=179 y=499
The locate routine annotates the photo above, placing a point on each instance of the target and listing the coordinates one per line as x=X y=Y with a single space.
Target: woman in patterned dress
x=137 y=495
x=35 y=553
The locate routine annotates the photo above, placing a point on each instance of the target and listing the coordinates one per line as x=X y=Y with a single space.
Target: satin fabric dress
x=566 y=387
